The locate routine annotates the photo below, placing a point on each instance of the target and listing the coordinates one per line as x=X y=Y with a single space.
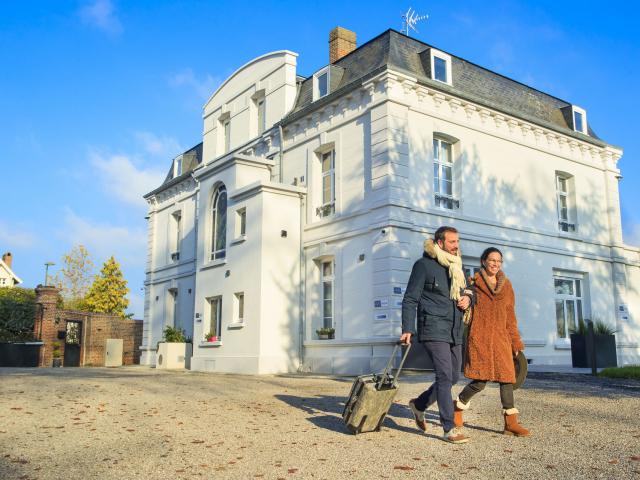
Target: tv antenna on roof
x=410 y=19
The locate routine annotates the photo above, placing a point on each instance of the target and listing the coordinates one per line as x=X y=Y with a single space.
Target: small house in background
x=285 y=239
x=7 y=277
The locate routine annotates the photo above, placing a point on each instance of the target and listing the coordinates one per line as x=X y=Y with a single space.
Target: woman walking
x=493 y=342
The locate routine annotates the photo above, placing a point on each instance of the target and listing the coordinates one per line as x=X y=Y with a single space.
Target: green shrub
x=326 y=331
x=56 y=353
x=602 y=328
x=17 y=314
x=173 y=335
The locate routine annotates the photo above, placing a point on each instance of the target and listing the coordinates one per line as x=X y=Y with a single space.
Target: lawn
x=630 y=371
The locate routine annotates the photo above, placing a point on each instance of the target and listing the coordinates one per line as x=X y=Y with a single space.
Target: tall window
x=469 y=271
x=215 y=316
x=219 y=224
x=440 y=69
x=262 y=121
x=443 y=174
x=565 y=220
x=177 y=167
x=227 y=135
x=568 y=296
x=177 y=235
x=241 y=222
x=240 y=307
x=327 y=293
x=328 y=184
x=579 y=119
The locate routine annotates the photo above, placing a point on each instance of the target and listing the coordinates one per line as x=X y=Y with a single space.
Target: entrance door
x=72 y=344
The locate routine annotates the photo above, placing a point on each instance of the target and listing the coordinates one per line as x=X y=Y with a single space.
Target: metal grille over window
x=327 y=294
x=568 y=297
x=443 y=175
x=219 y=224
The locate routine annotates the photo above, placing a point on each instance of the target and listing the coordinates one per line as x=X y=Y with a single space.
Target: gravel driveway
x=137 y=422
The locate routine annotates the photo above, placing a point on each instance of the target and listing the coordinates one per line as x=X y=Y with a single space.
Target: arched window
x=219 y=224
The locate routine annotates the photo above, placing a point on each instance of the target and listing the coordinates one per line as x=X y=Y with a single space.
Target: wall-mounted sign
x=398 y=303
x=623 y=312
x=380 y=316
x=398 y=290
x=380 y=303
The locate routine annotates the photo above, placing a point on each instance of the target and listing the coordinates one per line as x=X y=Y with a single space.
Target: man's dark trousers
x=447 y=360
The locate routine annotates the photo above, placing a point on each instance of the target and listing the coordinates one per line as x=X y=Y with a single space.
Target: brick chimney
x=341 y=43
x=6 y=258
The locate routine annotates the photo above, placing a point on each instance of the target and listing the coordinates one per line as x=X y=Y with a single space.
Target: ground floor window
x=215 y=317
x=327 y=268
x=569 y=304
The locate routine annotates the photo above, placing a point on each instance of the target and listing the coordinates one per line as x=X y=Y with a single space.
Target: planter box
x=606 y=354
x=173 y=355
x=20 y=354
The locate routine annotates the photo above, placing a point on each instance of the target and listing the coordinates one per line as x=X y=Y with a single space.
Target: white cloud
x=202 y=87
x=163 y=146
x=123 y=179
x=128 y=245
x=12 y=237
x=101 y=14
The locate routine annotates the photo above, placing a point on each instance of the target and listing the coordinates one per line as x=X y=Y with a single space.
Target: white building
x=309 y=199
x=7 y=277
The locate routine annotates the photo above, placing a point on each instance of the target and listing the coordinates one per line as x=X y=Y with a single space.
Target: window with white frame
x=564 y=199
x=443 y=174
x=226 y=126
x=215 y=317
x=176 y=234
x=579 y=119
x=328 y=163
x=569 y=304
x=3 y=281
x=177 y=166
x=262 y=118
x=321 y=84
x=327 y=280
x=219 y=224
x=239 y=307
x=241 y=222
x=440 y=66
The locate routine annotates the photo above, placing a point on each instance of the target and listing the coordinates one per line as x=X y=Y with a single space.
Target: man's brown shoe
x=418 y=416
x=455 y=435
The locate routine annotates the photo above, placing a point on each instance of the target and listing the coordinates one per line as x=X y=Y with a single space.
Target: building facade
x=309 y=199
x=7 y=277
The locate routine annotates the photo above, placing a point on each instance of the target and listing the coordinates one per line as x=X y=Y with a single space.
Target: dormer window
x=579 y=119
x=440 y=66
x=321 y=84
x=177 y=166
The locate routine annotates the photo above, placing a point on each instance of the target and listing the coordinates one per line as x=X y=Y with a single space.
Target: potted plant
x=326 y=333
x=56 y=353
x=210 y=337
x=604 y=342
x=174 y=351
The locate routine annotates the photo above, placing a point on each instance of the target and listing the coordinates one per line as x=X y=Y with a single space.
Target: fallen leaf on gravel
x=444 y=465
x=16 y=408
x=197 y=441
x=508 y=451
x=551 y=467
x=130 y=430
x=635 y=458
x=417 y=458
x=180 y=471
x=403 y=467
x=292 y=470
x=613 y=462
x=472 y=468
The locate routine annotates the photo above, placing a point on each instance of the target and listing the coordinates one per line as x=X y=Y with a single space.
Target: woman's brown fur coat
x=493 y=333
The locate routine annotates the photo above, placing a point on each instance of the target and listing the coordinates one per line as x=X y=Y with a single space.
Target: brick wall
x=96 y=329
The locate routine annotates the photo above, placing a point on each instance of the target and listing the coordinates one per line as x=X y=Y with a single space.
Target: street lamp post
x=46 y=272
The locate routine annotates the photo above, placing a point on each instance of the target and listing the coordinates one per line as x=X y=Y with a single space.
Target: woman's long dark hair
x=486 y=254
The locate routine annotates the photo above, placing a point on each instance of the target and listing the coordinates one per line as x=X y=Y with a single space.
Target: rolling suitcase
x=371 y=398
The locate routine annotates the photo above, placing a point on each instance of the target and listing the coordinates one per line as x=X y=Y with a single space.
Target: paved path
x=137 y=422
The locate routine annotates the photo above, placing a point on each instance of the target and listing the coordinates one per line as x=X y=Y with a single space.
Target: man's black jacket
x=438 y=318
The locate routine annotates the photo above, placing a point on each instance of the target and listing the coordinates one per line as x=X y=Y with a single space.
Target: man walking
x=437 y=291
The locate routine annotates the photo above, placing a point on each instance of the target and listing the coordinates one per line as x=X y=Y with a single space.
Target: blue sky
x=97 y=96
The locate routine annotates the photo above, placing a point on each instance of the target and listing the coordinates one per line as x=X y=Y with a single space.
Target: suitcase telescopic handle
x=393 y=355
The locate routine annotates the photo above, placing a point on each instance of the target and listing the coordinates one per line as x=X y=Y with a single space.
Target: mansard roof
x=395 y=51
x=191 y=159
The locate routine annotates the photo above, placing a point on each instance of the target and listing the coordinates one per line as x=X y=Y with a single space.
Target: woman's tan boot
x=458 y=408
x=511 y=425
